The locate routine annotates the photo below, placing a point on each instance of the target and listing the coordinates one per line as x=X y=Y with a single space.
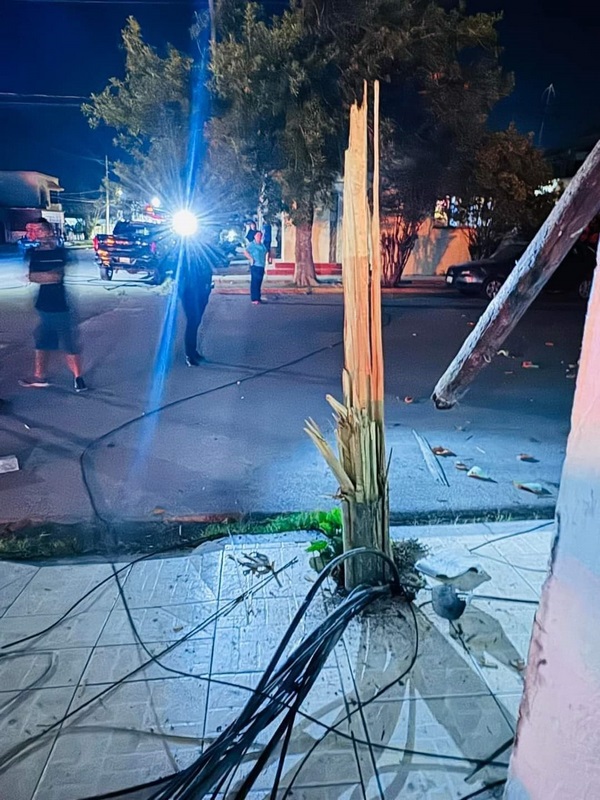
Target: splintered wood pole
x=574 y=211
x=360 y=466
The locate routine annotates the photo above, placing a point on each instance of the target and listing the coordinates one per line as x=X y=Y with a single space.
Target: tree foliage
x=149 y=108
x=509 y=171
x=284 y=86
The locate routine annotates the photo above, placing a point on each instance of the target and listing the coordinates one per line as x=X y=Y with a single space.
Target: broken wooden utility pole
x=360 y=466
x=574 y=211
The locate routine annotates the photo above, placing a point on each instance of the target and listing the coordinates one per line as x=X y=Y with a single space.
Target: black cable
x=214 y=763
x=7 y=757
x=91 y=591
x=205 y=392
x=488 y=761
x=505 y=599
x=333 y=729
x=511 y=535
x=295 y=677
x=319 y=644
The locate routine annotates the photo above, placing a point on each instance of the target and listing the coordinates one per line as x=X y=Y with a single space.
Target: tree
x=508 y=173
x=285 y=85
x=150 y=111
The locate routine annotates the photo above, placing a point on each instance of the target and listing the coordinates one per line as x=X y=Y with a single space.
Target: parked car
x=485 y=276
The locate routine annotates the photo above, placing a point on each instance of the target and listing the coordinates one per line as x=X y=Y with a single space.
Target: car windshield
x=510 y=247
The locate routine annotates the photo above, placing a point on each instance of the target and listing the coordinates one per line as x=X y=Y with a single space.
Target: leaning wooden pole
x=573 y=212
x=360 y=466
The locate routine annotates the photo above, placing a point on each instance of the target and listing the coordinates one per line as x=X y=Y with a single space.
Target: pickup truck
x=134 y=247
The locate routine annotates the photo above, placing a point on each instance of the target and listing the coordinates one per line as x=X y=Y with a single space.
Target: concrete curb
x=31 y=539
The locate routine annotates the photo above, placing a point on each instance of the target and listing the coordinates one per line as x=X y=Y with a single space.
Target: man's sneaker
x=34 y=383
x=79 y=385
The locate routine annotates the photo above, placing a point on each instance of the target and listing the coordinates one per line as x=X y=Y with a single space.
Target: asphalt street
x=153 y=437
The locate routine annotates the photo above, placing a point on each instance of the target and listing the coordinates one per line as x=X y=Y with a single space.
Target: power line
x=45 y=96
x=111 y=2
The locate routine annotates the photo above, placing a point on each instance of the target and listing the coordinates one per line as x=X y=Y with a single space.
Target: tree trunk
x=304 y=273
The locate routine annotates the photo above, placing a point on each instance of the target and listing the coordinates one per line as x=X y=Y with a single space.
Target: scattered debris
x=478 y=473
x=526 y=457
x=462 y=467
x=431 y=462
x=461 y=571
x=530 y=365
x=256 y=563
x=481 y=450
x=157 y=511
x=533 y=488
x=509 y=372
x=442 y=451
x=9 y=464
x=504 y=353
x=409 y=400
x=549 y=344
x=519 y=664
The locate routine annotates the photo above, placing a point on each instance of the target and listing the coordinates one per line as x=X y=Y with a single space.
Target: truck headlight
x=184 y=222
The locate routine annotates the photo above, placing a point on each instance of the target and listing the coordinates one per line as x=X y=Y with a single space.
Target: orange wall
x=437 y=249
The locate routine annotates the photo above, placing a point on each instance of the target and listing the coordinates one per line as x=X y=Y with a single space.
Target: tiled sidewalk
x=456 y=703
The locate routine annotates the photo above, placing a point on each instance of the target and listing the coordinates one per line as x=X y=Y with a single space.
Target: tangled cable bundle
x=276 y=700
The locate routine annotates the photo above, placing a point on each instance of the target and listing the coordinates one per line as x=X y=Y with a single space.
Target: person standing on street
x=195 y=285
x=256 y=253
x=57 y=329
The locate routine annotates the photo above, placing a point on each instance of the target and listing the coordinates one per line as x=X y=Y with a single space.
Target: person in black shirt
x=194 y=285
x=56 y=329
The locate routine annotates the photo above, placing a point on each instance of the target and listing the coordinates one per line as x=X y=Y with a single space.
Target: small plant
x=329 y=523
x=405 y=552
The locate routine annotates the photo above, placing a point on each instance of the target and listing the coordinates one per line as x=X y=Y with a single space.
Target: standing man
x=57 y=329
x=195 y=284
x=256 y=253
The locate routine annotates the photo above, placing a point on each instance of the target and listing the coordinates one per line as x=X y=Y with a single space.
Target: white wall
x=557 y=755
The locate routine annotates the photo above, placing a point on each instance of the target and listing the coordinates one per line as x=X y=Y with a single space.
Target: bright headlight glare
x=184 y=223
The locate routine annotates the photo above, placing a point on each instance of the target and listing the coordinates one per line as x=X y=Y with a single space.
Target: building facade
x=25 y=196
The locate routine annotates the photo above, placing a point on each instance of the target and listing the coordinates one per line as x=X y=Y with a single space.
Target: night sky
x=71 y=47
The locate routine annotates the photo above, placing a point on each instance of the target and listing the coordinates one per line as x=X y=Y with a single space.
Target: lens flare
x=184 y=223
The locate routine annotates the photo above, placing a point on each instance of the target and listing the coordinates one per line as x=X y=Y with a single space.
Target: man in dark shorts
x=56 y=329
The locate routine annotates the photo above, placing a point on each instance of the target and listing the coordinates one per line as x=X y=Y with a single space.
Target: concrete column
x=557 y=750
